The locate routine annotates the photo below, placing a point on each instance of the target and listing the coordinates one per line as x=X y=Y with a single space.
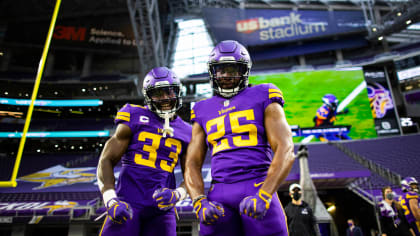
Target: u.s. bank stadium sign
x=279 y=27
x=263 y=26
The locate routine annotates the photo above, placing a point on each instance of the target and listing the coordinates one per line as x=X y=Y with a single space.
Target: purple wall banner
x=264 y=26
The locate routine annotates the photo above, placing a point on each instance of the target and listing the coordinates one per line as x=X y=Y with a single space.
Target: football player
x=149 y=141
x=410 y=203
x=251 y=147
x=326 y=115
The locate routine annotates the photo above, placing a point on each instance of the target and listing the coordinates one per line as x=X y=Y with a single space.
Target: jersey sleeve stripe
x=192 y=114
x=123 y=118
x=274 y=91
x=273 y=95
x=121 y=113
x=412 y=196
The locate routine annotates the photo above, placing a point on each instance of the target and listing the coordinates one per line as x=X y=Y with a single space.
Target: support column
x=5 y=60
x=87 y=64
x=385 y=44
x=49 y=66
x=18 y=230
x=77 y=229
x=302 y=61
x=339 y=55
x=195 y=230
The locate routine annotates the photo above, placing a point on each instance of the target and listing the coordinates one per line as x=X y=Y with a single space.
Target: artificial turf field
x=303 y=92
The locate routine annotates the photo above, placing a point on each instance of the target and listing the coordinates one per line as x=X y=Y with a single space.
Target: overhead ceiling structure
x=154 y=21
x=155 y=39
x=395 y=25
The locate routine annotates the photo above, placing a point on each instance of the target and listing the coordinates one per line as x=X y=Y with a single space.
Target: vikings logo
x=58 y=176
x=380 y=100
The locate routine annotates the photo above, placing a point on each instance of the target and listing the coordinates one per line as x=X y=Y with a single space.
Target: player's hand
x=208 y=212
x=119 y=211
x=255 y=206
x=166 y=198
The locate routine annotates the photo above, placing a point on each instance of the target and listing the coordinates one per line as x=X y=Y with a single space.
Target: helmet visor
x=228 y=75
x=229 y=69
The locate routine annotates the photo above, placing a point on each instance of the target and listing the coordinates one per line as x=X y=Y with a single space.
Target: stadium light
x=374 y=29
x=1 y=54
x=380 y=38
x=331 y=208
x=399 y=14
x=408 y=22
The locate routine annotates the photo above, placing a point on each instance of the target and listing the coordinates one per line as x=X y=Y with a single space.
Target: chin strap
x=166 y=128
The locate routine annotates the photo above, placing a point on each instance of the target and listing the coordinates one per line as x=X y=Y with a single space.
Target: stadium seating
x=399 y=154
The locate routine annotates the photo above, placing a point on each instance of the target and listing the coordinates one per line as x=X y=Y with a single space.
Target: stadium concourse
x=349 y=71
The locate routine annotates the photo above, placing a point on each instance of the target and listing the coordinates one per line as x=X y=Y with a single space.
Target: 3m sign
x=70 y=33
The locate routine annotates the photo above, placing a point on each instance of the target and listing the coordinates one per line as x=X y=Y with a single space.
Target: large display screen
x=324 y=105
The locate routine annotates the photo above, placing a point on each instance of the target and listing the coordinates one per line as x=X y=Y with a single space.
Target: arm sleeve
x=273 y=94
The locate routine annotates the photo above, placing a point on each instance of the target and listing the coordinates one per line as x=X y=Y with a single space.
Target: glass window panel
x=192 y=48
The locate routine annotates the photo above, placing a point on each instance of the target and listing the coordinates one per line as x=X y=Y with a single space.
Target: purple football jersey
x=404 y=201
x=150 y=159
x=235 y=132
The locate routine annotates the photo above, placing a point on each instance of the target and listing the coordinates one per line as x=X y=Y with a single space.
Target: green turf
x=303 y=92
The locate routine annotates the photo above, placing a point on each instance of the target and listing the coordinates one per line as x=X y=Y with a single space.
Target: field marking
x=351 y=96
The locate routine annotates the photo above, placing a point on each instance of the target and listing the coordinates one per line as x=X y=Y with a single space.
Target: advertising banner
x=265 y=26
x=93 y=35
x=381 y=101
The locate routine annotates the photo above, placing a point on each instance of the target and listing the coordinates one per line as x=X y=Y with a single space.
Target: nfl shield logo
x=226 y=103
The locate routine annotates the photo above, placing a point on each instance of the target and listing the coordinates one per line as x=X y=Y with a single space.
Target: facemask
x=390 y=196
x=296 y=196
x=350 y=224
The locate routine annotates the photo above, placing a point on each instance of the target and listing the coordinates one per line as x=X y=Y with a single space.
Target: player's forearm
x=194 y=181
x=279 y=169
x=413 y=204
x=105 y=175
x=416 y=214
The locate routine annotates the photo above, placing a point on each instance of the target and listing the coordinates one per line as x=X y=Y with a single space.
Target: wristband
x=182 y=193
x=198 y=199
x=108 y=196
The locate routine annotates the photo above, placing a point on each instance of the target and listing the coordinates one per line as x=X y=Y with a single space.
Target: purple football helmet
x=227 y=57
x=162 y=91
x=330 y=100
x=406 y=184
